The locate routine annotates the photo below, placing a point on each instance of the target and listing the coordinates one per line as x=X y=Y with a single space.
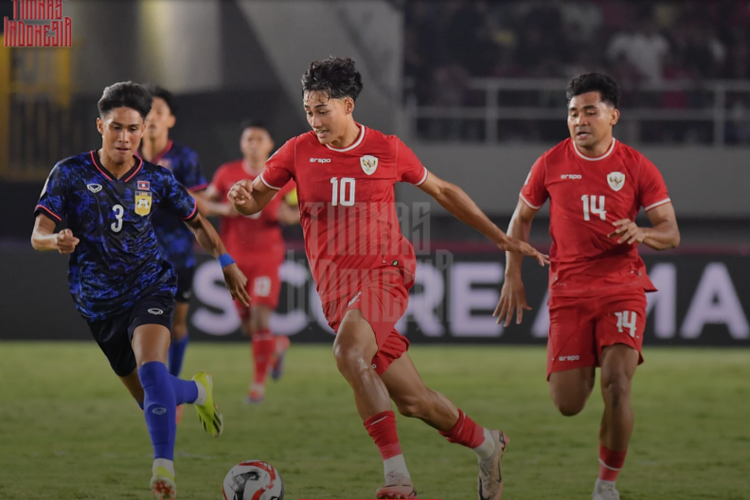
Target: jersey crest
x=616 y=180
x=369 y=164
x=142 y=203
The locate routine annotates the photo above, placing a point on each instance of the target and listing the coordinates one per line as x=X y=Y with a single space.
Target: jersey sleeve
x=53 y=200
x=279 y=166
x=534 y=191
x=408 y=167
x=218 y=182
x=176 y=200
x=652 y=191
x=191 y=175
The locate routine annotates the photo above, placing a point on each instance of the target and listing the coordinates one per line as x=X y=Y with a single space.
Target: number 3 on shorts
x=262 y=286
x=626 y=319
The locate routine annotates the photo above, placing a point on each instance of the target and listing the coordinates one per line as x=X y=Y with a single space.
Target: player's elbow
x=675 y=240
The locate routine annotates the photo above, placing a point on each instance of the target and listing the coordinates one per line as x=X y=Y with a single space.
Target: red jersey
x=586 y=196
x=347 y=205
x=258 y=233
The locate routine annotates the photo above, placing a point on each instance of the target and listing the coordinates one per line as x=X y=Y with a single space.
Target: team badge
x=142 y=203
x=143 y=186
x=369 y=164
x=166 y=163
x=616 y=180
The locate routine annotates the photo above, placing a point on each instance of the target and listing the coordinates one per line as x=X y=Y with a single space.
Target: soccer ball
x=253 y=480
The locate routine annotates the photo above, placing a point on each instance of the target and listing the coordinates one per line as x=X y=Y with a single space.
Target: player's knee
x=414 y=406
x=569 y=406
x=616 y=390
x=349 y=356
x=179 y=330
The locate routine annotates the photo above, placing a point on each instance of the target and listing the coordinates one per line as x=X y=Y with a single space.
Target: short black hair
x=253 y=123
x=336 y=76
x=594 y=82
x=125 y=95
x=161 y=92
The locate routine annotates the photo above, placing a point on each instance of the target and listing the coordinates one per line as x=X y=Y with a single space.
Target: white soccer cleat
x=605 y=490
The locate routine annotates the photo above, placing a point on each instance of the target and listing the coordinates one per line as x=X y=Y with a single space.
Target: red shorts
x=382 y=299
x=263 y=281
x=580 y=328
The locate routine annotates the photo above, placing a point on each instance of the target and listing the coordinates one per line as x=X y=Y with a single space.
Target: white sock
x=605 y=483
x=487 y=448
x=163 y=462
x=201 y=395
x=395 y=468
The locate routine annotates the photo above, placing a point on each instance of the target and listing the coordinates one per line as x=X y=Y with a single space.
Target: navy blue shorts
x=114 y=335
x=184 y=283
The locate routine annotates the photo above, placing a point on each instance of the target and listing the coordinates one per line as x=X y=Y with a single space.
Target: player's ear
x=615 y=116
x=349 y=105
x=171 y=121
x=100 y=126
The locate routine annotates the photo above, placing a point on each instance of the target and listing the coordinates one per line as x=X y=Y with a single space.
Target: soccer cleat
x=605 y=490
x=256 y=394
x=490 y=483
x=277 y=368
x=208 y=412
x=402 y=488
x=178 y=414
x=163 y=485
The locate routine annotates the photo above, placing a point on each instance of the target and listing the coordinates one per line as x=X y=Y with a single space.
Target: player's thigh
x=571 y=343
x=355 y=338
x=619 y=363
x=570 y=389
x=112 y=337
x=149 y=329
x=621 y=320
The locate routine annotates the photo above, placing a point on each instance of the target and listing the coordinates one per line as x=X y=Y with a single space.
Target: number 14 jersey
x=586 y=196
x=347 y=205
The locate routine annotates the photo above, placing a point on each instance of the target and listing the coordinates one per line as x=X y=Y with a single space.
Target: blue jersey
x=176 y=241
x=117 y=259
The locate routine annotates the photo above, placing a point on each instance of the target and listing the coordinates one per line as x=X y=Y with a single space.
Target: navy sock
x=159 y=408
x=177 y=355
x=185 y=391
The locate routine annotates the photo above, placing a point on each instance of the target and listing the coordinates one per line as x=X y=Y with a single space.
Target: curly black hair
x=125 y=95
x=594 y=82
x=336 y=76
x=163 y=93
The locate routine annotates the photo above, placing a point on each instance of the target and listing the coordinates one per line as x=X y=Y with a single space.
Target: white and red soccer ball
x=253 y=480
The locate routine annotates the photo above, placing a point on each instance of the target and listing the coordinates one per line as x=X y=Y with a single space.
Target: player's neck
x=252 y=166
x=349 y=137
x=116 y=169
x=151 y=148
x=598 y=149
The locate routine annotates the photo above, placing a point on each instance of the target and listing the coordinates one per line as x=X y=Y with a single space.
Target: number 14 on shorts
x=626 y=320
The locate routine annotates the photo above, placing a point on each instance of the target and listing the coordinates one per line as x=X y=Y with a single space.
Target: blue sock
x=159 y=403
x=185 y=391
x=177 y=354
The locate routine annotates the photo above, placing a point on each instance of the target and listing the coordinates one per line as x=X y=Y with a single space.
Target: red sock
x=610 y=463
x=264 y=347
x=465 y=432
x=382 y=430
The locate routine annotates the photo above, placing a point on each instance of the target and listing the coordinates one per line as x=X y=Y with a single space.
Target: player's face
x=256 y=144
x=121 y=130
x=329 y=118
x=590 y=120
x=159 y=120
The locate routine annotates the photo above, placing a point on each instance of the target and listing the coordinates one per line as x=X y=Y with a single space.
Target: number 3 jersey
x=347 y=205
x=586 y=196
x=118 y=257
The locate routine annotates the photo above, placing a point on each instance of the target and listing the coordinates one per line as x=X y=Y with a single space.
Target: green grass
x=70 y=431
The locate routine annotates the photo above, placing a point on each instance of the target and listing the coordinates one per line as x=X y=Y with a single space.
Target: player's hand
x=241 y=193
x=65 y=242
x=236 y=283
x=518 y=246
x=628 y=232
x=512 y=299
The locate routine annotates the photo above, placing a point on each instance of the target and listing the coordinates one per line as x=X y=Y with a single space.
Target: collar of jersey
x=159 y=156
x=125 y=178
x=356 y=143
x=594 y=158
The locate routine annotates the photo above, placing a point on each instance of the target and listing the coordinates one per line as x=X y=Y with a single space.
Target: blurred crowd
x=448 y=42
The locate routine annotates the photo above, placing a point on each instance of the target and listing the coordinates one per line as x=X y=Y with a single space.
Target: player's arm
x=209 y=239
x=250 y=197
x=44 y=238
x=662 y=235
x=458 y=203
x=513 y=295
x=210 y=206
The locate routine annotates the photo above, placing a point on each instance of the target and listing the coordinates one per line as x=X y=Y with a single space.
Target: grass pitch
x=69 y=430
